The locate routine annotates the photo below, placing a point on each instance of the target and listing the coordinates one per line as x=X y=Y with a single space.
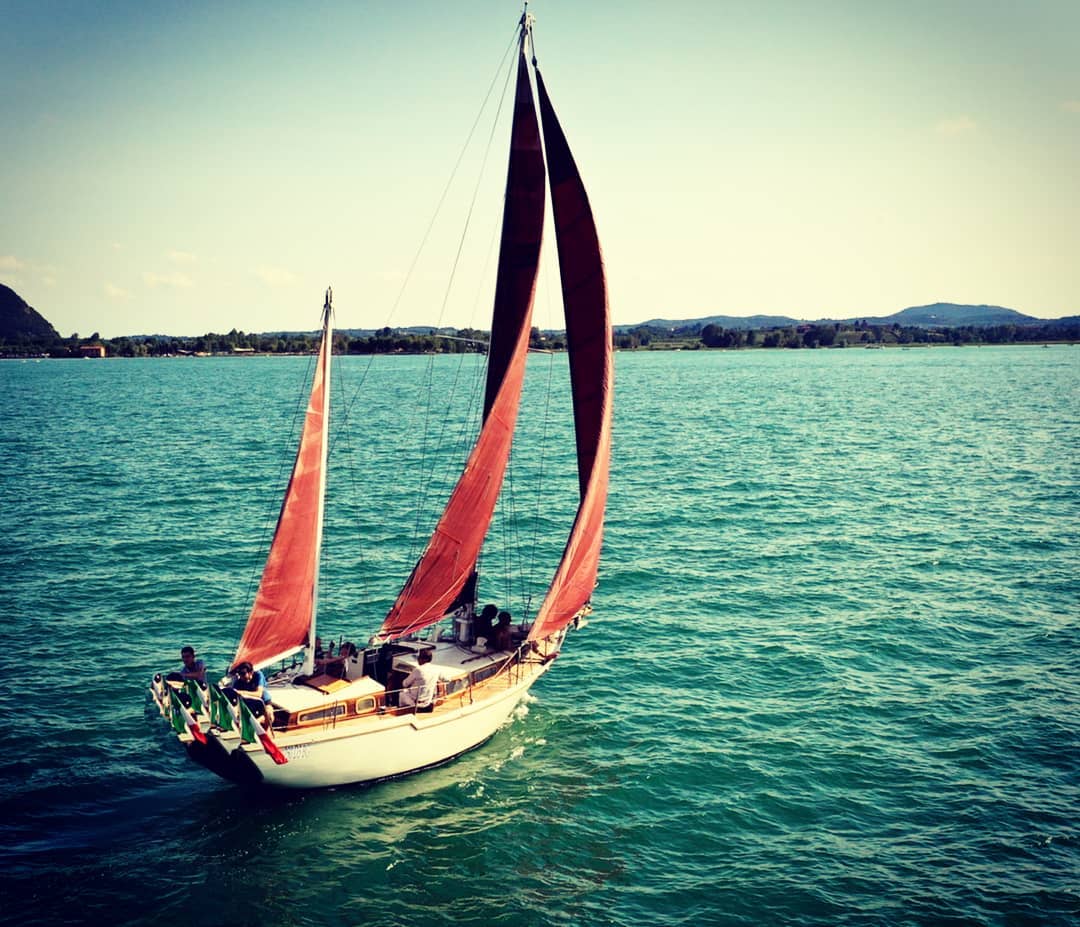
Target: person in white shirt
x=421 y=685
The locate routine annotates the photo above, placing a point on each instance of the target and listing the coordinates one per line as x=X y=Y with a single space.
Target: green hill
x=952 y=314
x=20 y=322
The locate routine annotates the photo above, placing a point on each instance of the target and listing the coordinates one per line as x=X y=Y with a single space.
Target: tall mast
x=325 y=355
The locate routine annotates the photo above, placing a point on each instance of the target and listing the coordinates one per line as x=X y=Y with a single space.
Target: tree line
x=384 y=341
x=843 y=334
x=469 y=340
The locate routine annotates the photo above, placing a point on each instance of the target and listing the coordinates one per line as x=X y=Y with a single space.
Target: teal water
x=833 y=675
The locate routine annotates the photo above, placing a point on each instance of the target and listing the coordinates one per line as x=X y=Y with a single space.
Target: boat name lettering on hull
x=297 y=752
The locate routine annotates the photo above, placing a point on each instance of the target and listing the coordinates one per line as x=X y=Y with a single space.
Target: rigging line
x=496 y=228
x=513 y=551
x=450 y=181
x=511 y=536
x=429 y=475
x=513 y=559
x=427 y=478
x=475 y=195
x=464 y=233
x=544 y=432
x=507 y=539
x=481 y=286
x=485 y=344
x=528 y=552
x=516 y=554
x=338 y=434
x=525 y=569
x=344 y=431
x=471 y=420
x=347 y=404
x=468 y=423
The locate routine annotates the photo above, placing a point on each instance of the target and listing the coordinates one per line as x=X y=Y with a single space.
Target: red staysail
x=588 y=334
x=450 y=557
x=284 y=610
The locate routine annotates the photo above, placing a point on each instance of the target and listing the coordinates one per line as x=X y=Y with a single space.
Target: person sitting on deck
x=325 y=661
x=192 y=668
x=343 y=665
x=500 y=637
x=483 y=624
x=421 y=685
x=349 y=657
x=251 y=683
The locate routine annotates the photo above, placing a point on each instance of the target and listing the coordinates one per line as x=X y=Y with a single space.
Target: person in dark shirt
x=251 y=683
x=483 y=624
x=500 y=637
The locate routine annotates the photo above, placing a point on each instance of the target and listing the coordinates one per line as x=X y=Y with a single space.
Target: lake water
x=833 y=674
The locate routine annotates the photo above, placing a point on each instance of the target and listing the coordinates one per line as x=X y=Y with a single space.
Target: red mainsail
x=588 y=334
x=449 y=559
x=284 y=610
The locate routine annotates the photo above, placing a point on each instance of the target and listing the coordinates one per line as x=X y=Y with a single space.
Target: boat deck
x=470 y=674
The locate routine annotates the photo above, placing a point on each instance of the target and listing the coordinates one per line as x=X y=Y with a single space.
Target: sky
x=179 y=168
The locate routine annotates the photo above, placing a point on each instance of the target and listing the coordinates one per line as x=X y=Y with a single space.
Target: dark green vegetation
x=19 y=324
x=384 y=341
x=940 y=323
x=847 y=334
x=24 y=333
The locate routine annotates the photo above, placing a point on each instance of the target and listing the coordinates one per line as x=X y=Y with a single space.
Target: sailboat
x=352 y=723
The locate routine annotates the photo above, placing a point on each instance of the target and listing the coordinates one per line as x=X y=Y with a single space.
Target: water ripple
x=832 y=677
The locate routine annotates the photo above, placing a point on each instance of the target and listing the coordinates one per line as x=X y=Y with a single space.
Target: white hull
x=368 y=749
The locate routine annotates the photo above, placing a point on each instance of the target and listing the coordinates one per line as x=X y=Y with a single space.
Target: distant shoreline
x=670 y=347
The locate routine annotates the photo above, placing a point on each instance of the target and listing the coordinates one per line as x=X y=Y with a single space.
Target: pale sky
x=180 y=168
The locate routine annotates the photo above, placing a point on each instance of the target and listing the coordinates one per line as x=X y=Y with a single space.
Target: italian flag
x=223 y=713
x=251 y=730
x=195 y=692
x=182 y=713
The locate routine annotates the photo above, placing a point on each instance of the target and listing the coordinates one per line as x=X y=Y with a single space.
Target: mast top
x=526 y=24
x=327 y=305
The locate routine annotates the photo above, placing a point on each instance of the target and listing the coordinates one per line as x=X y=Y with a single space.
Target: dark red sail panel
x=588 y=334
x=281 y=616
x=522 y=230
x=450 y=557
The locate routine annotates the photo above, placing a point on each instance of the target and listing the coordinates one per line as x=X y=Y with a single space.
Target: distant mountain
x=740 y=323
x=950 y=315
x=937 y=315
x=19 y=321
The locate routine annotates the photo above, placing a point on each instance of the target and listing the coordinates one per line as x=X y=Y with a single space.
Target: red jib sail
x=284 y=610
x=588 y=334
x=450 y=557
